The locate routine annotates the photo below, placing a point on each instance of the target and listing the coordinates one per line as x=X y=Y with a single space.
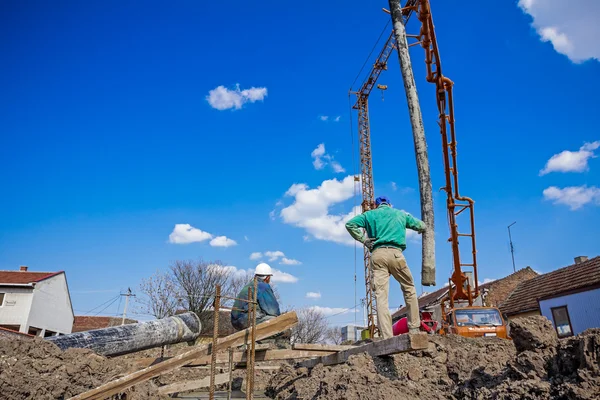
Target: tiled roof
x=424 y=301
x=577 y=276
x=83 y=323
x=25 y=277
x=434 y=297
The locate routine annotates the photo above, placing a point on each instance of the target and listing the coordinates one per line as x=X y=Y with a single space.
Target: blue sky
x=109 y=140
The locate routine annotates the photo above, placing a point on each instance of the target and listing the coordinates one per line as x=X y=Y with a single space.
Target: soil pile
x=544 y=367
x=31 y=368
x=536 y=366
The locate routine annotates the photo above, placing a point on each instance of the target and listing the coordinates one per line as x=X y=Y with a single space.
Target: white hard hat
x=263 y=269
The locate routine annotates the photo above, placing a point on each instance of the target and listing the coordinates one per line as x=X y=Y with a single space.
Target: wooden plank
x=240 y=356
x=186 y=386
x=320 y=347
x=394 y=345
x=263 y=331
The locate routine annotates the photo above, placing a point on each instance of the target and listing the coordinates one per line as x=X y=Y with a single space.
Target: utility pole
x=512 y=249
x=127 y=296
x=416 y=120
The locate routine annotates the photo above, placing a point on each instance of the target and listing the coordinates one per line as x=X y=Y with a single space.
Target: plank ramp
x=187 y=386
x=386 y=347
x=263 y=331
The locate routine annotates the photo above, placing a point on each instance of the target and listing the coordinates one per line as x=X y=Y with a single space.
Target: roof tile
x=525 y=297
x=23 y=277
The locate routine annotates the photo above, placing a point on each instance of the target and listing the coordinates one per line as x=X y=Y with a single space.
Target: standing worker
x=267 y=307
x=386 y=240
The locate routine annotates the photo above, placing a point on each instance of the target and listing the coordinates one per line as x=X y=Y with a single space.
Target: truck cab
x=476 y=322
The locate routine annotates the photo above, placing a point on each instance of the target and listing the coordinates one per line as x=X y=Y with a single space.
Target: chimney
x=580 y=259
x=23 y=268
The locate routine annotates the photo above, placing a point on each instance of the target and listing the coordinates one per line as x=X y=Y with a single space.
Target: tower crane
x=460 y=318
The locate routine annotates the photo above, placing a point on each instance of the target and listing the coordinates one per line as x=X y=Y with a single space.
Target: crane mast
x=366 y=160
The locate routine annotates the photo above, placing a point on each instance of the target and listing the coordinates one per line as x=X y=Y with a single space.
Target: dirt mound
x=456 y=368
x=36 y=369
x=430 y=374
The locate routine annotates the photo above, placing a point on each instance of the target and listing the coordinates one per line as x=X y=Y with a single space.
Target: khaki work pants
x=387 y=261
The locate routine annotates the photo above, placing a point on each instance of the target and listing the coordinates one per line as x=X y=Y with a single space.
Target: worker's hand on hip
x=369 y=243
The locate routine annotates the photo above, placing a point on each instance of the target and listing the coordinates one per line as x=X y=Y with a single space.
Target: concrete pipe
x=125 y=339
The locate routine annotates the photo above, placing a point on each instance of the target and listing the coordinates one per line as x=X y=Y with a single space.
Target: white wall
x=583 y=307
x=51 y=307
x=16 y=306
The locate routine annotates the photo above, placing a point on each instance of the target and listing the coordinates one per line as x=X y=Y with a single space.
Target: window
x=1 y=299
x=562 y=322
x=478 y=317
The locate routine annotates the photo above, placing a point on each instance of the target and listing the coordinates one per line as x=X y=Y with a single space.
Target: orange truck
x=475 y=322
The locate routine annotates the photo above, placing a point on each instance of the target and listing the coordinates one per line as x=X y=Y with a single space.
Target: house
x=352 y=333
x=569 y=297
x=84 y=323
x=36 y=303
x=492 y=294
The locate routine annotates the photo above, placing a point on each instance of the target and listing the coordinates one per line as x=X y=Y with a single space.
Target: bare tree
x=311 y=327
x=159 y=295
x=197 y=281
x=334 y=335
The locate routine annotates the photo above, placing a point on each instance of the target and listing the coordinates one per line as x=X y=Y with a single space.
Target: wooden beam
x=263 y=331
x=320 y=347
x=397 y=344
x=186 y=386
x=240 y=356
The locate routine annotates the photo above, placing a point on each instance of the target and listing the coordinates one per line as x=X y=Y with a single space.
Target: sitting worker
x=267 y=307
x=386 y=240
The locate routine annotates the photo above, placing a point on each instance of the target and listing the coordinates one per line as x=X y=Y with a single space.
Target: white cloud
x=317 y=153
x=246 y=238
x=571 y=161
x=337 y=167
x=310 y=209
x=222 y=241
x=272 y=215
x=321 y=158
x=185 y=233
x=573 y=196
x=313 y=295
x=394 y=186
x=222 y=98
x=328 y=311
x=274 y=255
x=283 y=277
x=571 y=26
x=256 y=255
x=325 y=118
x=289 y=261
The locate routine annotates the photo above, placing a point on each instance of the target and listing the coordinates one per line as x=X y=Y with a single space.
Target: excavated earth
x=535 y=365
x=36 y=369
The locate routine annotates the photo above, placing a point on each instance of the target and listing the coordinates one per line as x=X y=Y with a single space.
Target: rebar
x=213 y=354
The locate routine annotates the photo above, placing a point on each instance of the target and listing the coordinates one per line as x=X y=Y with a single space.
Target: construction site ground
x=534 y=365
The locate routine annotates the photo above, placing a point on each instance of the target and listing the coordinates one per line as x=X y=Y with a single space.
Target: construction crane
x=366 y=160
x=460 y=287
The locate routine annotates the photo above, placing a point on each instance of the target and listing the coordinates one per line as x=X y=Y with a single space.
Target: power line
x=95 y=308
x=369 y=56
x=111 y=303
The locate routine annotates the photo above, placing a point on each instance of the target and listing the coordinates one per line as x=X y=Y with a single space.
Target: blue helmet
x=382 y=200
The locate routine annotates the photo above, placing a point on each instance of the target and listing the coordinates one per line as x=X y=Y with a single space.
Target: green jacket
x=386 y=224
